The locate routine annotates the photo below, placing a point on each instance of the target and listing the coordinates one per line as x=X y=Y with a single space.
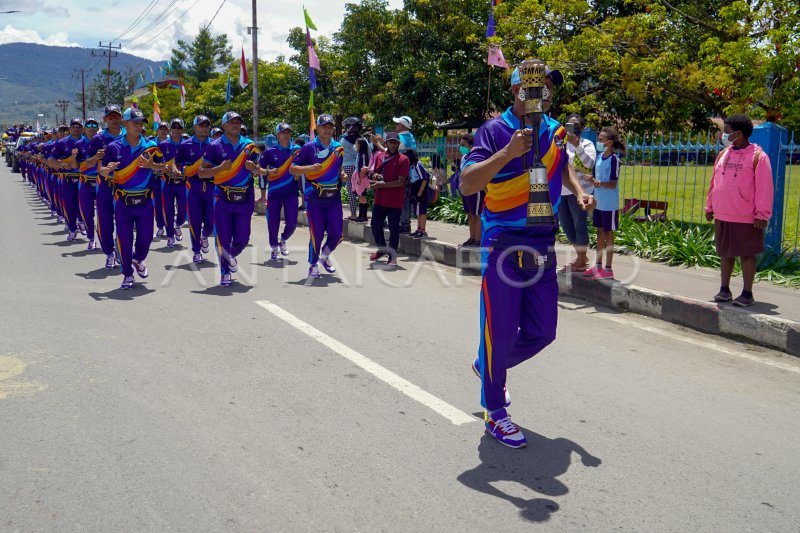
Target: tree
x=202 y=58
x=118 y=86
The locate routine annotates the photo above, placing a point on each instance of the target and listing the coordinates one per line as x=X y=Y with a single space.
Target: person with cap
x=87 y=186
x=519 y=291
x=199 y=191
x=173 y=186
x=229 y=160
x=162 y=134
x=65 y=152
x=113 y=131
x=407 y=142
x=275 y=164
x=353 y=126
x=389 y=183
x=320 y=161
x=129 y=162
x=216 y=133
x=51 y=168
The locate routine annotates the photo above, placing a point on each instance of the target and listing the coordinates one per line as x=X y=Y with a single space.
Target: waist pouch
x=325 y=191
x=235 y=195
x=134 y=198
x=174 y=181
x=527 y=255
x=91 y=181
x=69 y=177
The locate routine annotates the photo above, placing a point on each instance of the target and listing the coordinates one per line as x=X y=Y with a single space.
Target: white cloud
x=10 y=34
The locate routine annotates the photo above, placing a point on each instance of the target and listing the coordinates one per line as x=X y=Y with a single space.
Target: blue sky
x=85 y=23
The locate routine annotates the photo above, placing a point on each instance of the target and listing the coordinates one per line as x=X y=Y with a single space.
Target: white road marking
x=697 y=342
x=456 y=416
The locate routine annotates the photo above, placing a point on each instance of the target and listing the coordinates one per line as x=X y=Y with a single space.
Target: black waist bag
x=530 y=256
x=235 y=195
x=135 y=199
x=325 y=192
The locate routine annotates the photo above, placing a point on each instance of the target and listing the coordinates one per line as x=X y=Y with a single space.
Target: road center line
x=454 y=415
x=703 y=344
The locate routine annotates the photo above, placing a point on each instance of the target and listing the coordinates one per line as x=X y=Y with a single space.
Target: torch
x=532 y=74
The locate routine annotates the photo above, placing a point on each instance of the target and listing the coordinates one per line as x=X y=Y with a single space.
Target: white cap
x=404 y=120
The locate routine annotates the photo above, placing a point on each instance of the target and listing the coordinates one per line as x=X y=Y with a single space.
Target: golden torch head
x=532 y=73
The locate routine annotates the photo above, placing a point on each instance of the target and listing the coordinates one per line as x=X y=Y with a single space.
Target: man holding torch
x=520 y=158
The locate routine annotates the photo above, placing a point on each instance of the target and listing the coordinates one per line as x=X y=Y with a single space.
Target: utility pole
x=83 y=90
x=111 y=52
x=62 y=105
x=254 y=32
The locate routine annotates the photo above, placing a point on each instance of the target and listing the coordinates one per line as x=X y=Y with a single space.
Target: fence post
x=770 y=137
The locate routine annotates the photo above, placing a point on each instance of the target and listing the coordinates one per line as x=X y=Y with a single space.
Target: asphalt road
x=350 y=405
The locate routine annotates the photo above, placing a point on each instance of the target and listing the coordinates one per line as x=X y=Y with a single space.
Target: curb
x=727 y=321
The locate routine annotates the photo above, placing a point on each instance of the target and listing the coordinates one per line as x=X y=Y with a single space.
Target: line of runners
x=119 y=186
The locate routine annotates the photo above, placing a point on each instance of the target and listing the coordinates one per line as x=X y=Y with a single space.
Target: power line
x=141 y=16
x=62 y=105
x=154 y=37
x=215 y=14
x=109 y=54
x=158 y=18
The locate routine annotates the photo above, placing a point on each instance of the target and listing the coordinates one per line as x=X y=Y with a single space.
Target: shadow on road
x=324 y=281
x=536 y=468
x=219 y=290
x=100 y=273
x=192 y=267
x=137 y=291
x=279 y=263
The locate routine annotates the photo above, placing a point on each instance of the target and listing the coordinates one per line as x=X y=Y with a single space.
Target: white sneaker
x=500 y=426
x=233 y=265
x=178 y=233
x=284 y=248
x=204 y=245
x=91 y=246
x=313 y=272
x=141 y=268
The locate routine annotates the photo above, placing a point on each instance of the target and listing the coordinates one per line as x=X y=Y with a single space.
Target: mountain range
x=33 y=77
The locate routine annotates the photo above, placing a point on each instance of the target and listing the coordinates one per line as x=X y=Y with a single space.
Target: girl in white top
x=573 y=219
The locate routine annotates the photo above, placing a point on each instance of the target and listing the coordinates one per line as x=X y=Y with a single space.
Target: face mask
x=463 y=149
x=600 y=147
x=726 y=139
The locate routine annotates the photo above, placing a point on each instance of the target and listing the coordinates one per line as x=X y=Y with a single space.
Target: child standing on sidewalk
x=606 y=214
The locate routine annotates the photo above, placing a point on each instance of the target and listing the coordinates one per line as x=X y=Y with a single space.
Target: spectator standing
x=353 y=127
x=359 y=180
x=740 y=203
x=407 y=142
x=571 y=216
x=473 y=203
x=388 y=181
x=420 y=181
x=605 y=217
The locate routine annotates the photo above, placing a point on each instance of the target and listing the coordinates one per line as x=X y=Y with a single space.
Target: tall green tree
x=115 y=83
x=202 y=58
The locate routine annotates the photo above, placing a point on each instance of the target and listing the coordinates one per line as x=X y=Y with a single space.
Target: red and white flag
x=243 y=81
x=183 y=95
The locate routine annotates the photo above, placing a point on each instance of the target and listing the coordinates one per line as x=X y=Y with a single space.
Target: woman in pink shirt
x=740 y=203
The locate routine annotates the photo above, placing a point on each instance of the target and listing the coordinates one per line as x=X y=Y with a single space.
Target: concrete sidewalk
x=677 y=294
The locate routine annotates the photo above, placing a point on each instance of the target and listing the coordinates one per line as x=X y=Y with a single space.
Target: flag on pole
x=495 y=56
x=156 y=109
x=183 y=95
x=313 y=125
x=313 y=60
x=228 y=90
x=243 y=71
x=309 y=24
x=135 y=102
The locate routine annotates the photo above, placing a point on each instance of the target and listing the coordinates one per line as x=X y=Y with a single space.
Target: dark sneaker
x=743 y=301
x=274 y=255
x=141 y=268
x=111 y=261
x=284 y=248
x=723 y=296
x=505 y=389
x=127 y=283
x=178 y=233
x=162 y=232
x=204 y=245
x=500 y=426
x=328 y=266
x=170 y=242
x=376 y=256
x=197 y=258
x=420 y=235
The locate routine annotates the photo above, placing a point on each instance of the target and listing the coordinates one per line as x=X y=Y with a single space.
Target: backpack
x=432 y=188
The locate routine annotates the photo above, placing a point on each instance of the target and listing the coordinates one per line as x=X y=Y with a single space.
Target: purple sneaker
x=274 y=255
x=204 y=245
x=233 y=265
x=313 y=272
x=284 y=247
x=111 y=261
x=178 y=233
x=72 y=235
x=127 y=283
x=91 y=246
x=161 y=233
x=170 y=242
x=141 y=268
x=226 y=280
x=328 y=266
x=197 y=258
x=500 y=426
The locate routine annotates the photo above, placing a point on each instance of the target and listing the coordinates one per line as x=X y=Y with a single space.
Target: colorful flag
x=313 y=60
x=311 y=101
x=183 y=95
x=135 y=102
x=496 y=57
x=228 y=90
x=243 y=71
x=309 y=24
x=313 y=125
x=156 y=109
x=490 y=26
x=312 y=79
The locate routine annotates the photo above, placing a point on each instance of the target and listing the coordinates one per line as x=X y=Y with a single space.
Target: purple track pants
x=324 y=217
x=126 y=218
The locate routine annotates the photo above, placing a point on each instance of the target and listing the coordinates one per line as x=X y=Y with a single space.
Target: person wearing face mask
x=573 y=219
x=388 y=181
x=605 y=217
x=519 y=287
x=739 y=202
x=473 y=203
